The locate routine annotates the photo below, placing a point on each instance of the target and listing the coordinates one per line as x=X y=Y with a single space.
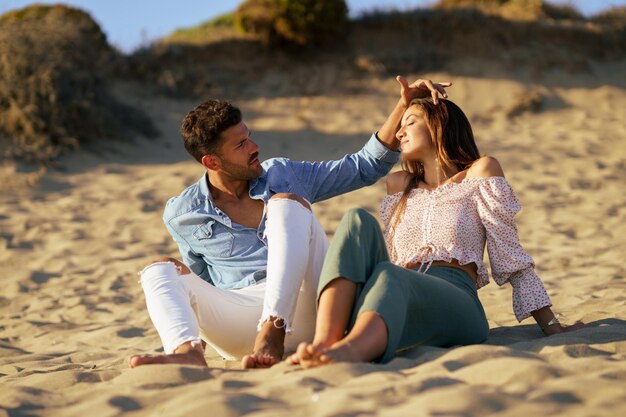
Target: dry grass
x=218 y=29
x=615 y=17
x=427 y=39
x=517 y=9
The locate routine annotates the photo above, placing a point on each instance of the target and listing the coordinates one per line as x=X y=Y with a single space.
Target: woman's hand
x=559 y=328
x=549 y=324
x=421 y=89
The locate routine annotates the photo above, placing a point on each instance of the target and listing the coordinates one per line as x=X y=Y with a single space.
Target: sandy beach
x=73 y=238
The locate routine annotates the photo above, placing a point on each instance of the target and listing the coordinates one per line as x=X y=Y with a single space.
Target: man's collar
x=205 y=190
x=204 y=185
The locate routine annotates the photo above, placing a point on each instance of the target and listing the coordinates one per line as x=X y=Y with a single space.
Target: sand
x=72 y=240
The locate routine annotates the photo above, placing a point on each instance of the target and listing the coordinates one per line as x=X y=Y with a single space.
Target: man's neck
x=227 y=189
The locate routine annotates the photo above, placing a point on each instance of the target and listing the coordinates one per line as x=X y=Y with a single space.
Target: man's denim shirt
x=229 y=255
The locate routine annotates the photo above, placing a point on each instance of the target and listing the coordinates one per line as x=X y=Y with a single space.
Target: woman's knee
x=384 y=274
x=382 y=279
x=291 y=196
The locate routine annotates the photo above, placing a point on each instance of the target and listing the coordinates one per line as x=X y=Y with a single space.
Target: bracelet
x=553 y=321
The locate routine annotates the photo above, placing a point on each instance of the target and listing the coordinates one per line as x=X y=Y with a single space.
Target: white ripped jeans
x=185 y=308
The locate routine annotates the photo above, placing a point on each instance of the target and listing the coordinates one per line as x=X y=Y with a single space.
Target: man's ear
x=211 y=162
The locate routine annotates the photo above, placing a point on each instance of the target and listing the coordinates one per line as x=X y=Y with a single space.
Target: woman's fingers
x=559 y=328
x=404 y=89
x=441 y=90
x=402 y=81
x=435 y=90
x=576 y=326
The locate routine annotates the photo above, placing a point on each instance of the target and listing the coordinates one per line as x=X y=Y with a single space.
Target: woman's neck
x=435 y=175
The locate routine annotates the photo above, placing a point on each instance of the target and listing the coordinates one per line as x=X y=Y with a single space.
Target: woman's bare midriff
x=471 y=269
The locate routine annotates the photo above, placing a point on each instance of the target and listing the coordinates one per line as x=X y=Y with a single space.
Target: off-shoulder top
x=454 y=222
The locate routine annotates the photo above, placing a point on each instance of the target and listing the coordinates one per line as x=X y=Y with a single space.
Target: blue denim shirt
x=229 y=255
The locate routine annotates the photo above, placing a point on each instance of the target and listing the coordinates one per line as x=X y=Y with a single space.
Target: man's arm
x=319 y=181
x=189 y=258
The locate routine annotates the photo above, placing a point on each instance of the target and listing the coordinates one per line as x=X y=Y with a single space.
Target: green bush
x=52 y=95
x=295 y=23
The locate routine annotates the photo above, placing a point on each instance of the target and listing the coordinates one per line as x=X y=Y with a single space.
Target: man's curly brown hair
x=203 y=126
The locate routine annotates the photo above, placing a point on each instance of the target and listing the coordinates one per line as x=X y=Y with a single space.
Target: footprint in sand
x=150 y=204
x=43 y=277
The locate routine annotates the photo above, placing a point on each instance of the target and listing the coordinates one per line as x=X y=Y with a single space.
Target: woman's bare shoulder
x=397 y=181
x=486 y=166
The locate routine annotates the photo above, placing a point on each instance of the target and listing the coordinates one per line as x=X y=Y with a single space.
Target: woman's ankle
x=325 y=341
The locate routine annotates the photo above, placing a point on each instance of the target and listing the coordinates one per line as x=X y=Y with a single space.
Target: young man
x=252 y=249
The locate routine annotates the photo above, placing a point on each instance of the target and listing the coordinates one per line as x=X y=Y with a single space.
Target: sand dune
x=70 y=247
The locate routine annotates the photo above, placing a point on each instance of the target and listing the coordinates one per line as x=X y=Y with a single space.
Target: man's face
x=239 y=155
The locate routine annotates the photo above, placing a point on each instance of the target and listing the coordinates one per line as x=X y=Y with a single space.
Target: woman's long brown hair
x=453 y=140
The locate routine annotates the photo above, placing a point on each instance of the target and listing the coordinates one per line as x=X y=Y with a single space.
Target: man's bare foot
x=185 y=355
x=269 y=346
x=257 y=361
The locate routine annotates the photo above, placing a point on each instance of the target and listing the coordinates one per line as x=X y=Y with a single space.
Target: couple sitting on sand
x=257 y=267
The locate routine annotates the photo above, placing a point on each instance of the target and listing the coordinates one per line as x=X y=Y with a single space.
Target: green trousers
x=437 y=308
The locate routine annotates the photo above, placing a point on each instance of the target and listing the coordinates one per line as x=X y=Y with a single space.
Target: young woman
x=416 y=283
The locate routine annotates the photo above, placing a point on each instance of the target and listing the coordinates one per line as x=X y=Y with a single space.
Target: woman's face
x=414 y=135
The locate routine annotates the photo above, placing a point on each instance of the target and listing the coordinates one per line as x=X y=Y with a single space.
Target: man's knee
x=291 y=196
x=179 y=265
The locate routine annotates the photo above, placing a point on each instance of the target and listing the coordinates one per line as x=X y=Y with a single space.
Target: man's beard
x=239 y=172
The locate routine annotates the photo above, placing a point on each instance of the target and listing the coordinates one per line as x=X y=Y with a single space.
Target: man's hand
x=421 y=89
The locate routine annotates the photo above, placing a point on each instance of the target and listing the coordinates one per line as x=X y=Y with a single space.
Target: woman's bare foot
x=307 y=351
x=311 y=356
x=269 y=347
x=191 y=356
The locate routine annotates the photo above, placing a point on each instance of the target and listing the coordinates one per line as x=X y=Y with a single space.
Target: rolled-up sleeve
x=322 y=180
x=189 y=258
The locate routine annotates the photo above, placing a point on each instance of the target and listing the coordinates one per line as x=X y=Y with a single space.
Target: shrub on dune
x=293 y=23
x=52 y=92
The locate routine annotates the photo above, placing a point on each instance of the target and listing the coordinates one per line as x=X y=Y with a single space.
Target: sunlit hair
x=202 y=127
x=453 y=140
